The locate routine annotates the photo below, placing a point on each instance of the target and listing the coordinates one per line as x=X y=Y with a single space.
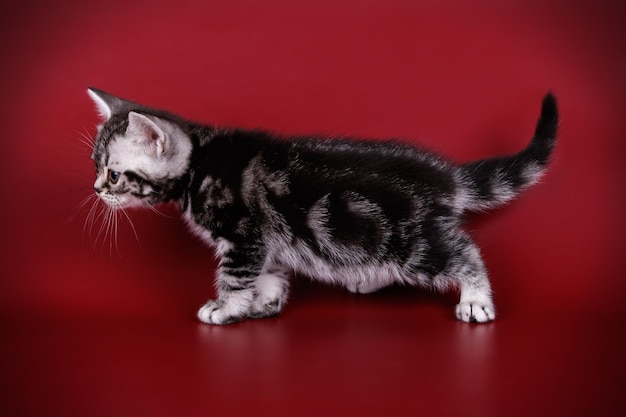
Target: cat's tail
x=492 y=182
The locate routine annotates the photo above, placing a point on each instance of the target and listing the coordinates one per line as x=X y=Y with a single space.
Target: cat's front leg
x=233 y=302
x=236 y=288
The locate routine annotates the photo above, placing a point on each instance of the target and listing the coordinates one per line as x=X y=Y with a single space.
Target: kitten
x=361 y=214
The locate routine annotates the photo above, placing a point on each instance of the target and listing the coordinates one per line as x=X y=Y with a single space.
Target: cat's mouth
x=118 y=201
x=110 y=199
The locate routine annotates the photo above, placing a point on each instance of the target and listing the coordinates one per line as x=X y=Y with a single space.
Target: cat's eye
x=114 y=177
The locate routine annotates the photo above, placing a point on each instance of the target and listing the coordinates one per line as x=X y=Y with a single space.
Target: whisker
x=117 y=246
x=109 y=219
x=79 y=207
x=115 y=235
x=157 y=211
x=86 y=143
x=91 y=216
x=104 y=213
x=87 y=135
x=130 y=222
x=86 y=139
x=109 y=232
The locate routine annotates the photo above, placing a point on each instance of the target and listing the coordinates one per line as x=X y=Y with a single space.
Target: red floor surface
x=105 y=327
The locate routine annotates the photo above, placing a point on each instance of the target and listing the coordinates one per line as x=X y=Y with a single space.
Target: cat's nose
x=99 y=185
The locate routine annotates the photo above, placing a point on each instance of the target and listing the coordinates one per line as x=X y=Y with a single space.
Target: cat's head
x=140 y=154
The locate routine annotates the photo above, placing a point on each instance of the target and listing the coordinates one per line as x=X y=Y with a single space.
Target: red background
x=91 y=328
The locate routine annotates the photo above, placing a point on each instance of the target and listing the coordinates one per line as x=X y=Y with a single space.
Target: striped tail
x=492 y=182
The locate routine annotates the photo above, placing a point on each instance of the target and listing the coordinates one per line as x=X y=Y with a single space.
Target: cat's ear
x=106 y=104
x=146 y=132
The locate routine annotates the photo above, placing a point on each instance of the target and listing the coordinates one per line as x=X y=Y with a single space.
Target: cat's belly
x=361 y=277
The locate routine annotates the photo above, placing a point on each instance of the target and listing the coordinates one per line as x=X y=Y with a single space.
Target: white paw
x=270 y=295
x=475 y=312
x=214 y=313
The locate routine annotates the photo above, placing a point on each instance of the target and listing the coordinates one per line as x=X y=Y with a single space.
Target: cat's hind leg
x=466 y=270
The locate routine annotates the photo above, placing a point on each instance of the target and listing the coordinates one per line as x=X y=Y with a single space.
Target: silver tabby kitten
x=361 y=214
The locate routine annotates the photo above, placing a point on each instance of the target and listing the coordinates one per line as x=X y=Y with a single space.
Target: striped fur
x=363 y=214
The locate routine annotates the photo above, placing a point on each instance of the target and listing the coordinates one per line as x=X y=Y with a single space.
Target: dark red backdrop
x=93 y=328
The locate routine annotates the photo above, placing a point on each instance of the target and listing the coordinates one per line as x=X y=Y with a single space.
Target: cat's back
x=308 y=168
x=372 y=164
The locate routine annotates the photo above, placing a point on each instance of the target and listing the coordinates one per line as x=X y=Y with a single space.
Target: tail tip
x=549 y=110
x=548 y=123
